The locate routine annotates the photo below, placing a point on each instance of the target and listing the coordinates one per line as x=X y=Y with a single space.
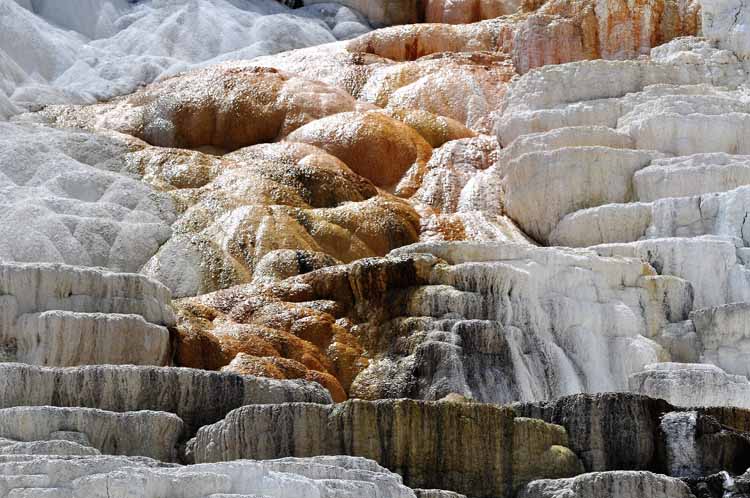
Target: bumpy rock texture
x=541 y=203
x=85 y=50
x=95 y=476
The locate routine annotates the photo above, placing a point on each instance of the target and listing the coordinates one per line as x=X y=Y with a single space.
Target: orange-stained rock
x=545 y=32
x=437 y=130
x=258 y=200
x=282 y=368
x=320 y=326
x=195 y=346
x=329 y=382
x=467 y=11
x=412 y=41
x=373 y=145
x=466 y=86
x=563 y=30
x=263 y=334
x=471 y=225
x=228 y=106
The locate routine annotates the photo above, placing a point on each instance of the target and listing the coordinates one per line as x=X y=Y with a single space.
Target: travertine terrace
x=374 y=248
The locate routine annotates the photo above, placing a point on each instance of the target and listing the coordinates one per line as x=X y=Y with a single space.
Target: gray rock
x=613 y=431
x=72 y=436
x=465 y=447
x=436 y=493
x=692 y=384
x=198 y=397
x=142 y=433
x=53 y=447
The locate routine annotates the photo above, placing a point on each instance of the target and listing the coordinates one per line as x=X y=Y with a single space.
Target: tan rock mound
x=246 y=331
x=285 y=196
x=227 y=106
x=373 y=145
x=437 y=130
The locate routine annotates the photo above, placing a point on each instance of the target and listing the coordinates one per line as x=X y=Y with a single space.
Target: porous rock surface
x=108 y=476
x=539 y=202
x=73 y=203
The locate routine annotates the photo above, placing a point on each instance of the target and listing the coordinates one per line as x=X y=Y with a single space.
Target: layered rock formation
x=691 y=384
x=540 y=203
x=476 y=449
x=140 y=433
x=197 y=397
x=620 y=484
x=58 y=315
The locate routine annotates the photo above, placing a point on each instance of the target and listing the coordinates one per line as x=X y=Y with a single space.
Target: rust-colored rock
x=545 y=32
x=258 y=200
x=467 y=11
x=315 y=326
x=227 y=106
x=373 y=145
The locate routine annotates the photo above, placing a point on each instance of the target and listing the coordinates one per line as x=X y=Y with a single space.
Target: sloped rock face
x=75 y=206
x=600 y=435
x=141 y=433
x=486 y=322
x=185 y=111
x=305 y=319
x=197 y=397
x=466 y=447
x=260 y=200
x=91 y=51
x=58 y=315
